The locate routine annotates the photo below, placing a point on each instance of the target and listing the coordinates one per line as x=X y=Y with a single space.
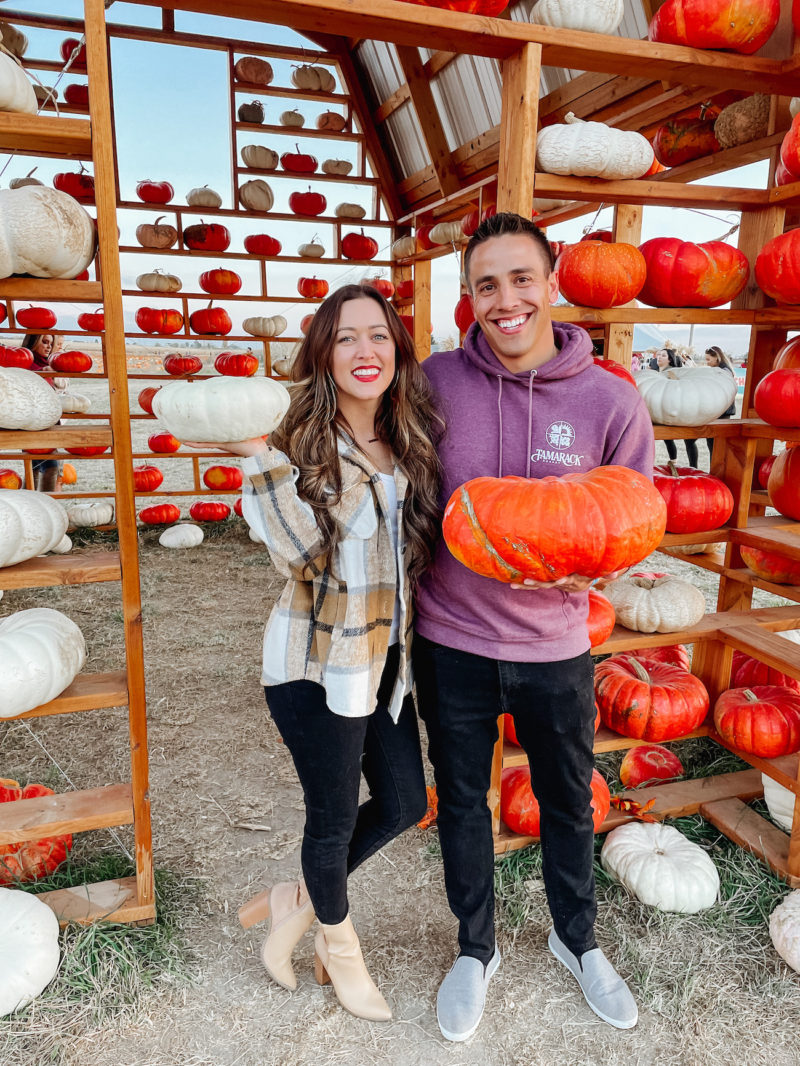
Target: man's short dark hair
x=503 y=224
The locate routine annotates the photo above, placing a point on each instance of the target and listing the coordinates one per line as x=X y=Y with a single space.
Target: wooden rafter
x=430 y=122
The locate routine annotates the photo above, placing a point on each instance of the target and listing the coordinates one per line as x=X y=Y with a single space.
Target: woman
x=46 y=472
x=716 y=357
x=345 y=497
x=664 y=359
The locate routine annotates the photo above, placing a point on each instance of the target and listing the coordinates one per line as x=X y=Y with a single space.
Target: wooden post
x=422 y=308
x=518 y=124
x=618 y=336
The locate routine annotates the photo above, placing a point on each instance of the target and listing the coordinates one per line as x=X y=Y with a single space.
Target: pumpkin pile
x=29 y=860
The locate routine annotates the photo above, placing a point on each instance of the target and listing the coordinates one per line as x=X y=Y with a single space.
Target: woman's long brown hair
x=406 y=421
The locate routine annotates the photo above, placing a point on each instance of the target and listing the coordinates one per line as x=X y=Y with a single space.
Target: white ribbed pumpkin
x=292 y=118
x=41 y=653
x=256 y=195
x=90 y=514
x=312 y=250
x=203 y=196
x=221 y=409
x=593 y=16
x=660 y=867
x=446 y=233
x=158 y=281
x=63 y=546
x=784 y=929
x=29 y=952
x=686 y=395
x=656 y=605
x=341 y=167
x=269 y=326
x=592 y=149
x=350 y=211
x=26 y=400
x=184 y=535
x=13 y=39
x=16 y=92
x=313 y=79
x=31 y=523
x=779 y=801
x=259 y=158
x=20 y=183
x=403 y=246
x=43 y=232
x=74 y=403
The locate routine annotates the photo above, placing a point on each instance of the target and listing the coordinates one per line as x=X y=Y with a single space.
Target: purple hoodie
x=567 y=416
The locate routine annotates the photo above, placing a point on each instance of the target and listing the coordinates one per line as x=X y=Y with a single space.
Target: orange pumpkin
x=777 y=268
x=648 y=764
x=648 y=700
x=783 y=485
x=32 y=859
x=684 y=274
x=601 y=274
x=69 y=475
x=680 y=140
x=743 y=26
x=788 y=357
x=763 y=720
x=771 y=566
x=519 y=808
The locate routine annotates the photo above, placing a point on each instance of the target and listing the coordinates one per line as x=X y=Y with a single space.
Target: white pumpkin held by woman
x=221 y=409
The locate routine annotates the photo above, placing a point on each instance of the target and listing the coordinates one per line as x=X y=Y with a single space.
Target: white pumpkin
x=259 y=158
x=446 y=233
x=156 y=235
x=350 y=211
x=29 y=952
x=686 y=395
x=544 y=203
x=342 y=167
x=403 y=247
x=268 y=326
x=256 y=195
x=656 y=605
x=43 y=232
x=16 y=92
x=30 y=523
x=203 y=196
x=660 y=867
x=594 y=16
x=292 y=118
x=158 y=281
x=253 y=71
x=784 y=929
x=221 y=409
x=63 y=546
x=779 y=801
x=41 y=653
x=74 y=403
x=592 y=149
x=26 y=400
x=330 y=120
x=283 y=367
x=184 y=535
x=20 y=183
x=90 y=514
x=697 y=549
x=312 y=250
x=13 y=39
x=313 y=79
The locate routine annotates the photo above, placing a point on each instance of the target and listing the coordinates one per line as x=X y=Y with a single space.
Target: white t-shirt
x=391 y=495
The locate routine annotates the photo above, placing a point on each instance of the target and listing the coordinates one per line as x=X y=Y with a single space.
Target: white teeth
x=367 y=372
x=510 y=323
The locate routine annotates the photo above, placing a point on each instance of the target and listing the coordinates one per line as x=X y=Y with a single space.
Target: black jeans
x=330 y=753
x=692 y=455
x=460 y=697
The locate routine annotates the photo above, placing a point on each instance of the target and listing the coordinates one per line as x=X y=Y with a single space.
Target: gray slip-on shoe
x=462 y=995
x=602 y=987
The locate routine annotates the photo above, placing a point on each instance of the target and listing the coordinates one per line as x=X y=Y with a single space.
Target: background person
x=716 y=357
x=46 y=472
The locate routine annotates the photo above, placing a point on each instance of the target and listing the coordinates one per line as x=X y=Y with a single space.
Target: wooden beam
x=520 y=116
x=430 y=123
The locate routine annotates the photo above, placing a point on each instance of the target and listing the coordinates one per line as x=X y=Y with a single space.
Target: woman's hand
x=572 y=583
x=244 y=448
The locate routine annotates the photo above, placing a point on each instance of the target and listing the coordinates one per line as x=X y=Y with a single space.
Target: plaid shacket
x=331 y=624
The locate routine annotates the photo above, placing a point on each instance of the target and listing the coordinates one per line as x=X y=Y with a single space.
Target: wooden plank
x=711 y=662
x=57 y=437
x=65 y=812
x=71 y=569
x=605 y=740
x=430 y=123
x=44 y=135
x=309 y=262
x=295 y=132
x=755 y=229
x=88 y=692
x=50 y=289
x=749 y=830
x=519 y=120
x=779 y=540
x=783 y=769
x=769 y=648
x=112 y=901
x=646 y=191
x=422 y=308
x=180 y=211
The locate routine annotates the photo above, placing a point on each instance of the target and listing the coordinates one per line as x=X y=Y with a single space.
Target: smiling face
x=712 y=359
x=363 y=358
x=662 y=358
x=512 y=289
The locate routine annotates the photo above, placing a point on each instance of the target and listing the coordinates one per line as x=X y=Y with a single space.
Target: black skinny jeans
x=692 y=454
x=330 y=753
x=460 y=697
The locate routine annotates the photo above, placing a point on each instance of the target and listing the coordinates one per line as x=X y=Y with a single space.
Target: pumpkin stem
x=638 y=669
x=31 y=172
x=750 y=696
x=673 y=468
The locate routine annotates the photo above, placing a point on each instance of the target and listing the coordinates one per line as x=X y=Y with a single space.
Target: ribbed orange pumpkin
x=771 y=566
x=684 y=274
x=763 y=720
x=743 y=26
x=788 y=357
x=601 y=274
x=784 y=483
x=592 y=524
x=648 y=700
x=684 y=138
x=31 y=859
x=602 y=618
x=747 y=671
x=519 y=808
x=777 y=268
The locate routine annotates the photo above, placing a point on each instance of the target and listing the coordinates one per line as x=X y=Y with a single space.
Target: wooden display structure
x=129 y=899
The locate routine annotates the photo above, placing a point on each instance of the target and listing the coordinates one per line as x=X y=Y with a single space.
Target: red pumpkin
x=381 y=285
x=784 y=482
x=178 y=365
x=747 y=671
x=649 y=700
x=615 y=368
x=155 y=192
x=211 y=321
x=220 y=282
x=520 y=810
x=601 y=620
x=236 y=364
x=681 y=139
x=696 y=502
x=471 y=221
x=238 y=507
x=591 y=523
x=29 y=860
x=299 y=162
x=36 y=318
x=146 y=478
x=146 y=398
x=209 y=511
x=163 y=443
x=92 y=321
x=305 y=324
x=763 y=720
x=160 y=514
x=764 y=469
x=359 y=246
x=83 y=276
x=207 y=237
x=89 y=449
x=262 y=244
x=159 y=320
x=464 y=315
x=790 y=151
x=71 y=362
x=777 y=398
x=424 y=237
x=604 y=235
x=312 y=288
x=70 y=45
x=676 y=654
x=684 y=274
x=77 y=184
x=647 y=764
x=743 y=26
x=309 y=204
x=777 y=268
x=77 y=95
x=656 y=167
x=405 y=289
x=9 y=479
x=21 y=357
x=597 y=274
x=788 y=357
x=771 y=566
x=784 y=176
x=222 y=477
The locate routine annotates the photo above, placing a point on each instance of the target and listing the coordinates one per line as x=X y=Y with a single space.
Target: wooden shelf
x=65 y=812
x=205 y=296
x=56 y=437
x=88 y=692
x=305 y=259
x=749 y=830
x=180 y=210
x=289 y=93
x=317 y=175
x=53 y=289
x=111 y=901
x=45 y=135
x=605 y=740
x=784 y=541
x=72 y=569
x=767 y=316
x=298 y=131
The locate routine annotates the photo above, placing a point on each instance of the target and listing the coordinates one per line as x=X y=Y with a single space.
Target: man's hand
x=572 y=583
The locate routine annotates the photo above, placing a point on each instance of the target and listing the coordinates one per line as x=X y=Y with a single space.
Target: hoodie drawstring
x=530 y=421
x=500 y=413
x=531 y=376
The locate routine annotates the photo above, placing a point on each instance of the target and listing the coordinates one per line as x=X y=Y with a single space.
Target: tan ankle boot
x=291 y=916
x=339 y=960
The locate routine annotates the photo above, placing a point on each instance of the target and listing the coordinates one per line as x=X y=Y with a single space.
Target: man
x=521 y=397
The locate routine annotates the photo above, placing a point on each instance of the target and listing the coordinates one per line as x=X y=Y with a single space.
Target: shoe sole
x=458 y=1038
x=605 y=1017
